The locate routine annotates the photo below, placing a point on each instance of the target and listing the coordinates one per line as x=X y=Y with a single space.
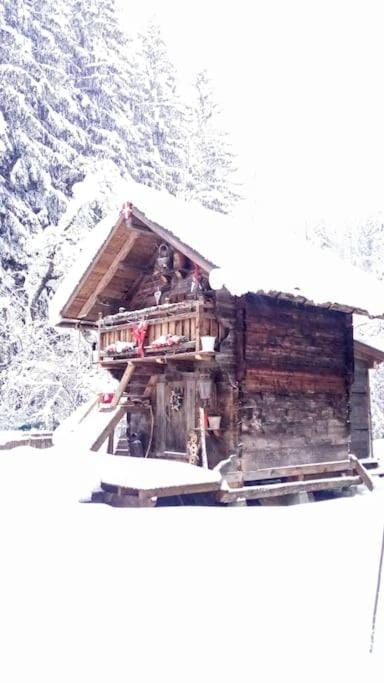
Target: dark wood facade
x=361 y=429
x=281 y=370
x=366 y=358
x=295 y=376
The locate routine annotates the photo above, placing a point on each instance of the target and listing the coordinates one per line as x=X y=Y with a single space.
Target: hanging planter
x=208 y=343
x=214 y=422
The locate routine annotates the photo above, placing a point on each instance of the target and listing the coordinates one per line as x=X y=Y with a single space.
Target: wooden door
x=175 y=413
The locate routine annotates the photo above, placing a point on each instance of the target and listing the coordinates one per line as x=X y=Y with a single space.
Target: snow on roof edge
x=89 y=249
x=248 y=259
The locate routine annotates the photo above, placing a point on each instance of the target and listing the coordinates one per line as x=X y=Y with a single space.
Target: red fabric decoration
x=106 y=398
x=139 y=331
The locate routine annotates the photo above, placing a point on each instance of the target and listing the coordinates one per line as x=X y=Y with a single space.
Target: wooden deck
x=139 y=482
x=294 y=479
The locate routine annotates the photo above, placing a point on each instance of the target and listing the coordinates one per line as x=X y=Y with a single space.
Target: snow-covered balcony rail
x=167 y=328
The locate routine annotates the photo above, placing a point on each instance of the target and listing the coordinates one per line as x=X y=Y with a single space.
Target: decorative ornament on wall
x=138 y=332
x=126 y=211
x=193 y=448
x=176 y=399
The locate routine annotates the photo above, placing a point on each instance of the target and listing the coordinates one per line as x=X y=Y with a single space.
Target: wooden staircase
x=132 y=394
x=373 y=466
x=94 y=423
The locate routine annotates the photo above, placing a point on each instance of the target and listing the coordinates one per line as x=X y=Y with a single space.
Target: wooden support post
x=114 y=417
x=110 y=442
x=128 y=372
x=362 y=472
x=198 y=324
x=99 y=337
x=204 y=457
x=150 y=386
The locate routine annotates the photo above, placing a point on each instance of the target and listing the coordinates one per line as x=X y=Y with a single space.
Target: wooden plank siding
x=360 y=411
x=295 y=380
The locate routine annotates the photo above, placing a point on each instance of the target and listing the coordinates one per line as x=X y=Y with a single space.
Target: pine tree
x=81 y=106
x=106 y=77
x=159 y=113
x=40 y=135
x=210 y=162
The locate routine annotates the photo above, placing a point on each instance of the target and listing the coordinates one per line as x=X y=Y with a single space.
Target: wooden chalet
x=225 y=350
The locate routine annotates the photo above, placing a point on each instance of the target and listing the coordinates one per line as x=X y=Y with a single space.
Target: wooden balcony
x=170 y=329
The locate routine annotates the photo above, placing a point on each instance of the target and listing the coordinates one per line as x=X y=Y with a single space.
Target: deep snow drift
x=90 y=591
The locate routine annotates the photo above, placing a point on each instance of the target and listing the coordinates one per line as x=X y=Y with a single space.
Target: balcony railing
x=164 y=329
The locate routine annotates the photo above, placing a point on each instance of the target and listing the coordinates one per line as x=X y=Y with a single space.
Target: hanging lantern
x=164 y=258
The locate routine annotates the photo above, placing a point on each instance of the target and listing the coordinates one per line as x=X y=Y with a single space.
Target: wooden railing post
x=199 y=308
x=99 y=337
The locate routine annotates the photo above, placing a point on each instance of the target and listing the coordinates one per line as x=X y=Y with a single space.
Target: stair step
x=369 y=463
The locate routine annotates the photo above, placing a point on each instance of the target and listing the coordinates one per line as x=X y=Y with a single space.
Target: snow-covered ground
x=181 y=594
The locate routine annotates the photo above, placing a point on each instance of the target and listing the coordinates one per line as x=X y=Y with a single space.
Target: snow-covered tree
x=82 y=107
x=159 y=113
x=209 y=168
x=362 y=244
x=44 y=373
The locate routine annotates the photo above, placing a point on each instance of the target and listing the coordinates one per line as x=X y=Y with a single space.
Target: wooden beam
x=298 y=470
x=89 y=268
x=125 y=267
x=204 y=457
x=362 y=472
x=164 y=358
x=122 y=500
x=111 y=442
x=160 y=491
x=116 y=414
x=150 y=386
x=107 y=277
x=206 y=265
x=139 y=229
x=128 y=372
x=266 y=491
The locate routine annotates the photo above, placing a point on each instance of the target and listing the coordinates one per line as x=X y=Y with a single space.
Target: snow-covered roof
x=244 y=257
x=90 y=246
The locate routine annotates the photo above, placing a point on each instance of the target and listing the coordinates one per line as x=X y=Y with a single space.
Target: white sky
x=301 y=85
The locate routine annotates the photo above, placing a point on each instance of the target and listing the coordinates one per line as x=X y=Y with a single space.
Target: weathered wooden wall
x=176 y=289
x=360 y=411
x=295 y=367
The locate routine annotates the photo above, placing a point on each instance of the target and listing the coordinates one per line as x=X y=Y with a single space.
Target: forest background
x=89 y=98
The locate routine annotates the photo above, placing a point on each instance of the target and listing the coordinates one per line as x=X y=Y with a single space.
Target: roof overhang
x=367 y=353
x=235 y=255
